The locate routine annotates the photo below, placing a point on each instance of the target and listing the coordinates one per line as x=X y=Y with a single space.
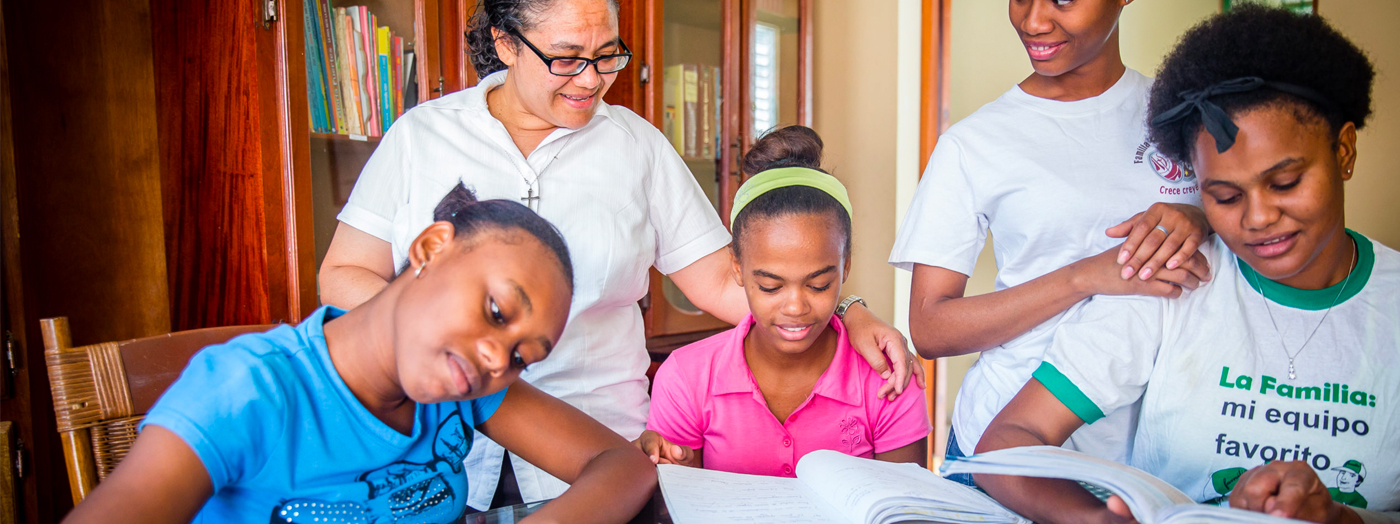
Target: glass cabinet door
x=777 y=53
x=728 y=71
x=692 y=82
x=692 y=110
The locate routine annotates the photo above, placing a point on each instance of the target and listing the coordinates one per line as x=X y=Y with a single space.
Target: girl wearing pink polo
x=785 y=381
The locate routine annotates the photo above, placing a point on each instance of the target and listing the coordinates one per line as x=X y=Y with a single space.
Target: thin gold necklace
x=1292 y=372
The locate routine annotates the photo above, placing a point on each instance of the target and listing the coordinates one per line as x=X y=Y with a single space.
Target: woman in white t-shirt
x=1276 y=386
x=1056 y=168
x=536 y=130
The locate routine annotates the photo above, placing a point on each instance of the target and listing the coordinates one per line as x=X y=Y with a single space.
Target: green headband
x=786 y=177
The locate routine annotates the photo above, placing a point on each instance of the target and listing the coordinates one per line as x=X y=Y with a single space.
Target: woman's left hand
x=1290 y=490
x=877 y=341
x=1165 y=236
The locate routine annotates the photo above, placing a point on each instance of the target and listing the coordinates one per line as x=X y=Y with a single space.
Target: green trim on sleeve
x=1067 y=393
x=1317 y=299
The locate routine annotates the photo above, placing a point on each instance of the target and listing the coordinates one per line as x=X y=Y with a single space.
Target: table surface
x=653 y=513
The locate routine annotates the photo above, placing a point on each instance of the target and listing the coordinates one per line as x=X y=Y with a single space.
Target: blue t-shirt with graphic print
x=283 y=438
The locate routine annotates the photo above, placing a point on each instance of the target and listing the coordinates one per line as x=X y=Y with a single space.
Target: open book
x=830 y=488
x=1151 y=500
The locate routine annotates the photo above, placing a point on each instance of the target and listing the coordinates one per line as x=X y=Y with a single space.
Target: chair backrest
x=102 y=391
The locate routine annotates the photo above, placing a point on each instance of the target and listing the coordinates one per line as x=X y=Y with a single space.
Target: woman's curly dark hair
x=1276 y=45
x=506 y=15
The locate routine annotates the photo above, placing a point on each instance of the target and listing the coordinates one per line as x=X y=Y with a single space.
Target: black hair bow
x=1215 y=120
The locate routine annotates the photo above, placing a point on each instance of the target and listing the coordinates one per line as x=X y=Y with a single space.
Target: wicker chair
x=101 y=392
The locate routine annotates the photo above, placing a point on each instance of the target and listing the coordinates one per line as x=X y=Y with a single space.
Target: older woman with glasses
x=536 y=130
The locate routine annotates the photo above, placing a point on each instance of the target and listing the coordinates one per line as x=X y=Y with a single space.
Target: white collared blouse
x=617 y=191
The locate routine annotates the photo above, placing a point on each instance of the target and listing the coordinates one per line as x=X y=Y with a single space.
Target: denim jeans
x=954 y=452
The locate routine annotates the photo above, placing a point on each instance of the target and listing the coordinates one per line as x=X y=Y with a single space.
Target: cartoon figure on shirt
x=404 y=492
x=1349 y=477
x=1221 y=484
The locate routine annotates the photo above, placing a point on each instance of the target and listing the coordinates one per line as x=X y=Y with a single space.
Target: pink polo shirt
x=704 y=396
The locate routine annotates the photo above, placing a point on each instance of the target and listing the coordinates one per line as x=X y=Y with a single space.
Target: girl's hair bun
x=791 y=146
x=456 y=200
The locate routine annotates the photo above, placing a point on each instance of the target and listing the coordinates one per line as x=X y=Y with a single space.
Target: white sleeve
x=945 y=226
x=1102 y=355
x=686 y=224
x=382 y=186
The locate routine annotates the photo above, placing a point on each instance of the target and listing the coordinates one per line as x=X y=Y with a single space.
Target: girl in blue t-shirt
x=366 y=415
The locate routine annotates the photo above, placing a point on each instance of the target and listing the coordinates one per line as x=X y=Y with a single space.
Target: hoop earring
x=419 y=272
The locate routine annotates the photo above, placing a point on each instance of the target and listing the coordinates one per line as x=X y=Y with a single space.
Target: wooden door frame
x=455 y=71
x=933 y=121
x=291 y=248
x=804 y=61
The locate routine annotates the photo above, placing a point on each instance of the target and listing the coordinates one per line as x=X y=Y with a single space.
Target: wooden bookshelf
x=333 y=137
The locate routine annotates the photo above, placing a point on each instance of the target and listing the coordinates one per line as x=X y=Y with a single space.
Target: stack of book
x=358 y=74
x=691 y=116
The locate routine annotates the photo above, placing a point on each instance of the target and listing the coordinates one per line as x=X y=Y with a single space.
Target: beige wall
x=854 y=110
x=1373 y=192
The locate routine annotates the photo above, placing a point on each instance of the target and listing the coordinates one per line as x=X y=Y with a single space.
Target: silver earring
x=419 y=272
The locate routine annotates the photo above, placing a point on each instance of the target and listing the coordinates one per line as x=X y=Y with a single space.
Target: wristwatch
x=846 y=304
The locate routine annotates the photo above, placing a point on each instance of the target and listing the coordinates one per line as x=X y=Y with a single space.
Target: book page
x=1147 y=496
x=1202 y=514
x=872 y=491
x=701 y=496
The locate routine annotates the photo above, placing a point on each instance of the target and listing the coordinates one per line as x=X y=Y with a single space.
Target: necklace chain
x=1292 y=372
x=532 y=196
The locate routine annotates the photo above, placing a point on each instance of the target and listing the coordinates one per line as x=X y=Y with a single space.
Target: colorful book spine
x=707 y=116
x=314 y=91
x=386 y=93
x=328 y=118
x=328 y=47
x=370 y=70
x=347 y=53
x=717 y=112
x=345 y=59
x=691 y=109
x=396 y=65
x=673 y=96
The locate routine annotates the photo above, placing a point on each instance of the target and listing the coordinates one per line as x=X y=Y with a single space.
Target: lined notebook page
x=700 y=496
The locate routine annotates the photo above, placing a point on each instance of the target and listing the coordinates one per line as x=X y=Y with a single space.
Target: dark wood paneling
x=206 y=84
x=18 y=408
x=87 y=166
x=86 y=232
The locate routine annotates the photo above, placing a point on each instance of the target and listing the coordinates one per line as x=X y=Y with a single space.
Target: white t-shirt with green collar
x=1213 y=380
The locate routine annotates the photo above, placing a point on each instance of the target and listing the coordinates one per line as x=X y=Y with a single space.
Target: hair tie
x=1215 y=120
x=772 y=179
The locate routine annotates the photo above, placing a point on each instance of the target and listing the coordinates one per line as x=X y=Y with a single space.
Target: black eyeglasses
x=574 y=66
